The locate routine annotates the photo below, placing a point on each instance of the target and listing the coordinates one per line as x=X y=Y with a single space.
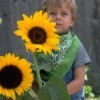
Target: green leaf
x=45 y=67
x=25 y=96
x=43 y=62
x=2 y=97
x=54 y=89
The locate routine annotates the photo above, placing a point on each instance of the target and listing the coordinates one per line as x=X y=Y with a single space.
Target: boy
x=63 y=13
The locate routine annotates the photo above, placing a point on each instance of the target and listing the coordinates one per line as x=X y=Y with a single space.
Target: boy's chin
x=61 y=33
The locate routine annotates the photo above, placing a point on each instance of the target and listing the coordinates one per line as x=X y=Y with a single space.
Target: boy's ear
x=72 y=23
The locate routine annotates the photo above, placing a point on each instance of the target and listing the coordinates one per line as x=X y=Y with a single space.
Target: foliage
x=88 y=91
x=88 y=88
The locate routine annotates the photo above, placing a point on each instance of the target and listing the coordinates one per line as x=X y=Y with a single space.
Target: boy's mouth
x=58 y=24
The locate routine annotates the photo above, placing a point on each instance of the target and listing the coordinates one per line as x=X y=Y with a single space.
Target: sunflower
x=38 y=32
x=15 y=76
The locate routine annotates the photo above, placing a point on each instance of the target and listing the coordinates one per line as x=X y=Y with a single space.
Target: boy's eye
x=52 y=13
x=64 y=14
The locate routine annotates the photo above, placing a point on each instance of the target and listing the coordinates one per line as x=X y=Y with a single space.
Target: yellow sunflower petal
x=38 y=32
x=10 y=93
x=27 y=22
x=1 y=91
x=16 y=67
x=52 y=41
x=47 y=50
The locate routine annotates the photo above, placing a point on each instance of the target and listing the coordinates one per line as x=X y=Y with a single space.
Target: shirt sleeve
x=82 y=57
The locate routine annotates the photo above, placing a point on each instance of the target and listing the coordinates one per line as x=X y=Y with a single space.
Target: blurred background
x=87 y=27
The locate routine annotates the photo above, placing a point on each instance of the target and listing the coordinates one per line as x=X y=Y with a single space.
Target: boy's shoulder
x=82 y=57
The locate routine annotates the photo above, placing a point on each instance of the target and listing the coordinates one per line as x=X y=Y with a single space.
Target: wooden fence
x=87 y=28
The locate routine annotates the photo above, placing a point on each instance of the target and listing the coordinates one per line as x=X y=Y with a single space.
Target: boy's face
x=62 y=16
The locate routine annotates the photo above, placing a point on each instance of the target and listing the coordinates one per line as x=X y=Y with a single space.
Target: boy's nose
x=58 y=17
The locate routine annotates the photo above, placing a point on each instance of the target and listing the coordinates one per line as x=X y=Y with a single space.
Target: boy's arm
x=78 y=82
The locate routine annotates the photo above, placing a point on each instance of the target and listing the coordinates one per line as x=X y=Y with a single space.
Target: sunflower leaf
x=25 y=96
x=54 y=89
x=2 y=97
x=43 y=62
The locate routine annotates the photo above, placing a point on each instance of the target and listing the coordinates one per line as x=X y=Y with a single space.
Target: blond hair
x=71 y=4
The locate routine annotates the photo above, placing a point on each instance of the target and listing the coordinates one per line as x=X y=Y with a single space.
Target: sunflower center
x=10 y=77
x=37 y=35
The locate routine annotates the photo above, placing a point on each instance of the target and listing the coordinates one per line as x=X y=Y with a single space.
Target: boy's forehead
x=61 y=5
x=58 y=2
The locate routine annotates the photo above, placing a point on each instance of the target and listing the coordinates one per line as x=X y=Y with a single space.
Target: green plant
x=88 y=88
x=88 y=91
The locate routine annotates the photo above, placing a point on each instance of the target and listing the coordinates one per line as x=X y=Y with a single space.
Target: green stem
x=33 y=94
x=37 y=71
